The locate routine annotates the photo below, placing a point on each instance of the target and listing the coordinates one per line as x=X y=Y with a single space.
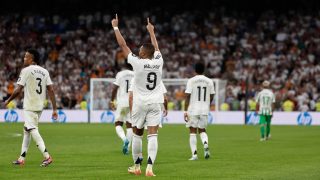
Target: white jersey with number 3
x=147 y=79
x=123 y=80
x=200 y=87
x=35 y=80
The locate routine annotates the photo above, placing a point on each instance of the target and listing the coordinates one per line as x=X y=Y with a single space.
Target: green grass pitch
x=93 y=151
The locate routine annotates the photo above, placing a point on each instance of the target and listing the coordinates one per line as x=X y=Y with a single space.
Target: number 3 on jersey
x=39 y=91
x=152 y=79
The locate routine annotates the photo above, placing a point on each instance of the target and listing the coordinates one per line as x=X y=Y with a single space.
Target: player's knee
x=201 y=130
x=152 y=129
x=193 y=130
x=138 y=132
x=118 y=123
x=128 y=125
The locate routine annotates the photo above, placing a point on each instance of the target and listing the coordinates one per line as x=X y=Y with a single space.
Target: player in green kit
x=265 y=106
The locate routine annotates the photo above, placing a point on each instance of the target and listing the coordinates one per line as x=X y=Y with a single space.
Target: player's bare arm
x=153 y=38
x=53 y=101
x=113 y=96
x=15 y=93
x=130 y=100
x=122 y=43
x=186 y=106
x=211 y=98
x=165 y=104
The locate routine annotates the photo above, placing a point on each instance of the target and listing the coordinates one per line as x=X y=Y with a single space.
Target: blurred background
x=261 y=40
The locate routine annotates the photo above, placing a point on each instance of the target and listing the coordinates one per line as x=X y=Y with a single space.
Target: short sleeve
x=49 y=81
x=157 y=55
x=257 y=97
x=189 y=87
x=132 y=58
x=164 y=89
x=23 y=77
x=117 y=82
x=273 y=98
x=212 y=91
x=130 y=86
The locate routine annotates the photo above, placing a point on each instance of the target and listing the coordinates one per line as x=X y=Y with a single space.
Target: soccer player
x=35 y=81
x=122 y=114
x=265 y=106
x=164 y=106
x=147 y=96
x=199 y=95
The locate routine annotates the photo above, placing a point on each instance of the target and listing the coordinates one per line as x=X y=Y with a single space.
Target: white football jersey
x=164 y=89
x=35 y=80
x=265 y=98
x=200 y=87
x=147 y=79
x=123 y=80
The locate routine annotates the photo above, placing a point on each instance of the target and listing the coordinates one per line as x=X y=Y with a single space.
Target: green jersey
x=265 y=98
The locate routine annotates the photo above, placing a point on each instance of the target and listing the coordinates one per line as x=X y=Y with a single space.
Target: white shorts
x=31 y=119
x=197 y=121
x=146 y=115
x=122 y=114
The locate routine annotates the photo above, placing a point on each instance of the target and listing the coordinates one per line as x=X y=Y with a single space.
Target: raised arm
x=122 y=43
x=153 y=38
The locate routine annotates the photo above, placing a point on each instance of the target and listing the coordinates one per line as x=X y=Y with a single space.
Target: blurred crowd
x=282 y=48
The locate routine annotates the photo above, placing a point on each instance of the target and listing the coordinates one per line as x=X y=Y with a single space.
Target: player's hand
x=114 y=21
x=150 y=26
x=186 y=117
x=112 y=105
x=54 y=115
x=4 y=104
x=165 y=113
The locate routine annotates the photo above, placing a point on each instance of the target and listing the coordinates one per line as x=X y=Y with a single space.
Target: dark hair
x=35 y=54
x=148 y=49
x=199 y=68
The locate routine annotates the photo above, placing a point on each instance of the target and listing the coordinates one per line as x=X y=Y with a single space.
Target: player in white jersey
x=122 y=114
x=147 y=96
x=199 y=95
x=35 y=81
x=164 y=106
x=265 y=106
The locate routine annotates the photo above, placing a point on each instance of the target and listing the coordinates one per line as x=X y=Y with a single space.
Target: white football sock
x=25 y=144
x=193 y=144
x=136 y=148
x=40 y=143
x=152 y=148
x=204 y=139
x=129 y=135
x=120 y=133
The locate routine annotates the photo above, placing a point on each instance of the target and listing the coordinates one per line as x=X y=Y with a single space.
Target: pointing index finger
x=116 y=16
x=148 y=20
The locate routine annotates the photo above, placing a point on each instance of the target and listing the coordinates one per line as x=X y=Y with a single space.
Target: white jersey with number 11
x=200 y=87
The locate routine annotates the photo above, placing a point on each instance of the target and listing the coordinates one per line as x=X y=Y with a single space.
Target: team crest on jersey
x=11 y=116
x=304 y=118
